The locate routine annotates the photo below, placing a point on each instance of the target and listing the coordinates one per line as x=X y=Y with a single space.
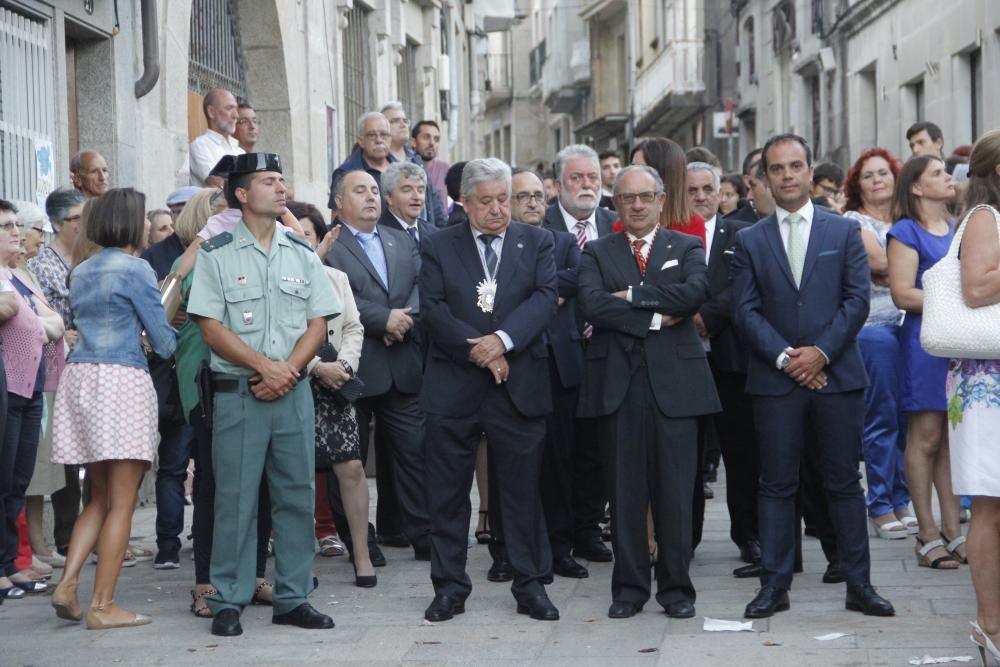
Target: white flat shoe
x=911 y=523
x=891 y=530
x=985 y=644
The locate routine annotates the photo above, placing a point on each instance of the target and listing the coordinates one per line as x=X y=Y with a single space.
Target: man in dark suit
x=759 y=202
x=578 y=175
x=487 y=292
x=646 y=380
x=800 y=296
x=404 y=186
x=728 y=358
x=382 y=265
x=565 y=355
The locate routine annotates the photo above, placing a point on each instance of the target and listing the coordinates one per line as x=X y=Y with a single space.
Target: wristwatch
x=347 y=367
x=783 y=361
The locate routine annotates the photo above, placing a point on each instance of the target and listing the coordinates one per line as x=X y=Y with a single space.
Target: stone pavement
x=385 y=626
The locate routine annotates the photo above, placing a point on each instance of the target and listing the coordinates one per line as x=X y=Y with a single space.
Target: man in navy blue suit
x=487 y=292
x=800 y=296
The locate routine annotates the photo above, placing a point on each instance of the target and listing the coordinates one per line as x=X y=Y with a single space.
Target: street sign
x=725 y=124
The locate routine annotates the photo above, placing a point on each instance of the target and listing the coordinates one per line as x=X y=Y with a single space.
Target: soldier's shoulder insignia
x=216 y=242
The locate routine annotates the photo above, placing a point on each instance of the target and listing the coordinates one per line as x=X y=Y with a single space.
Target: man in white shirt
x=221 y=112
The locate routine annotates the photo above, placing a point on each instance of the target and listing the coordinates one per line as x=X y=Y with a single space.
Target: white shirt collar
x=648 y=238
x=806 y=212
x=405 y=224
x=571 y=221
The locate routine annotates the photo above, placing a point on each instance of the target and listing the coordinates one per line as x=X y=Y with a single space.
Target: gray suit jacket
x=398 y=365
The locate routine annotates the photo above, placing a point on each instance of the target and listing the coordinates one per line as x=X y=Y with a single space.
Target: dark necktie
x=488 y=255
x=412 y=231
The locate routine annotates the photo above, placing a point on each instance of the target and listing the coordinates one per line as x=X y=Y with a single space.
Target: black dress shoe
x=750 y=552
x=680 y=609
x=623 y=609
x=304 y=616
x=834 y=574
x=863 y=598
x=707 y=492
x=393 y=540
x=444 y=608
x=595 y=552
x=369 y=581
x=501 y=571
x=539 y=608
x=567 y=567
x=748 y=571
x=768 y=601
x=711 y=473
x=226 y=623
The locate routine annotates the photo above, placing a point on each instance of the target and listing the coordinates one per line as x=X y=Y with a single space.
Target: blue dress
x=922 y=377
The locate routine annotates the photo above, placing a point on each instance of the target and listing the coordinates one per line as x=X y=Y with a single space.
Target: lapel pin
x=520 y=245
x=669 y=246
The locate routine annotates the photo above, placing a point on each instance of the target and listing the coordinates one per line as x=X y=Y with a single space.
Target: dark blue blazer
x=526 y=302
x=564 y=333
x=424 y=228
x=827 y=311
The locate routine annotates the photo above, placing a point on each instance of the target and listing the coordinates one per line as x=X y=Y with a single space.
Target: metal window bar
x=216 y=53
x=357 y=84
x=26 y=117
x=406 y=75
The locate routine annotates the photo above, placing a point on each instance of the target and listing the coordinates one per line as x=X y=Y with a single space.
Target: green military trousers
x=247 y=436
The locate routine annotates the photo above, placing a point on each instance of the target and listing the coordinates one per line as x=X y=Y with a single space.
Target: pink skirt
x=104 y=412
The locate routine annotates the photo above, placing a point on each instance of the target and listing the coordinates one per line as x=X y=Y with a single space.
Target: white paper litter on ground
x=831 y=636
x=928 y=660
x=721 y=625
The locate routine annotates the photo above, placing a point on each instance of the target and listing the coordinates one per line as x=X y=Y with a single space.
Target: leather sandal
x=923 y=548
x=888 y=530
x=953 y=546
x=484 y=536
x=258 y=599
x=201 y=611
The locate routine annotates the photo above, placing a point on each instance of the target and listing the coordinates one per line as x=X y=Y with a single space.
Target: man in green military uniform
x=262 y=301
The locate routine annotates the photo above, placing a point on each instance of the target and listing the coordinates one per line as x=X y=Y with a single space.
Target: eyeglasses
x=215 y=196
x=647 y=197
x=248 y=121
x=372 y=136
x=399 y=121
x=525 y=197
x=7 y=226
x=576 y=179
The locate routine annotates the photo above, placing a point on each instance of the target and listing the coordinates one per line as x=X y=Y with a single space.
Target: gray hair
x=394 y=105
x=400 y=170
x=367 y=117
x=573 y=152
x=484 y=170
x=704 y=166
x=58 y=204
x=646 y=169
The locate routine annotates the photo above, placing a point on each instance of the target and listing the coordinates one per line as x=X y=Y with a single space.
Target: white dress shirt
x=205 y=153
x=571 y=223
x=647 y=247
x=709 y=236
x=407 y=226
x=804 y=225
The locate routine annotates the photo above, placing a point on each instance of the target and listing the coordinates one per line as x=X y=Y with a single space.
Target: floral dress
x=974 y=426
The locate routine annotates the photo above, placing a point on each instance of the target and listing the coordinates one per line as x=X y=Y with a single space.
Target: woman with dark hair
x=974 y=394
x=670 y=162
x=105 y=414
x=921 y=237
x=868 y=190
x=732 y=193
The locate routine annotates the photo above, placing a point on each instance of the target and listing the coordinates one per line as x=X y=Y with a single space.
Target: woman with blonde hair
x=974 y=394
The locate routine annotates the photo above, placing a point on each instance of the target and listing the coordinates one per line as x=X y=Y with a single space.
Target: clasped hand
x=487 y=352
x=397 y=325
x=275 y=379
x=806 y=367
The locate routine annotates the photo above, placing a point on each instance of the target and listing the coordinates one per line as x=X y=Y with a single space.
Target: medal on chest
x=486 y=291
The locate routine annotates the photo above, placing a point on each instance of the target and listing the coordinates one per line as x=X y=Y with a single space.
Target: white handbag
x=950 y=328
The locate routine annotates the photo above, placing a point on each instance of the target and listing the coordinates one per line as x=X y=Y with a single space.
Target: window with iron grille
x=357 y=69
x=26 y=114
x=406 y=77
x=216 y=56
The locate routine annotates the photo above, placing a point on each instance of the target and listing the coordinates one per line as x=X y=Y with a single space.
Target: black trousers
x=591 y=495
x=515 y=453
x=811 y=509
x=650 y=459
x=734 y=427
x=400 y=432
x=557 y=489
x=203 y=517
x=832 y=425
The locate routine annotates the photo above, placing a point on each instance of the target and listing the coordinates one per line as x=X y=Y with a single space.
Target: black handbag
x=351 y=390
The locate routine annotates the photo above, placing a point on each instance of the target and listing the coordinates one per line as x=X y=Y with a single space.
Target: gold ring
x=802 y=377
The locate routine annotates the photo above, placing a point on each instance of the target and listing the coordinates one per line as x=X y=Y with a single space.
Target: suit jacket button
x=801 y=304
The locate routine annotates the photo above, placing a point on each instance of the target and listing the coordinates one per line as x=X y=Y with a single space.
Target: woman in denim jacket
x=106 y=409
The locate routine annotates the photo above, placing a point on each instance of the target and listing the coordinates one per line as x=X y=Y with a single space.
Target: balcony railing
x=499 y=72
x=676 y=69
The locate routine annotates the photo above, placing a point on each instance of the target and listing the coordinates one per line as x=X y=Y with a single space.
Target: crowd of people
x=588 y=344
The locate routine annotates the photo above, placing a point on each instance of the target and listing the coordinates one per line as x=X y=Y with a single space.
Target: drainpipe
x=150 y=50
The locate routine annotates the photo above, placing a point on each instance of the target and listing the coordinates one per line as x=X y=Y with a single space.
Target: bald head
x=89 y=173
x=221 y=111
x=359 y=203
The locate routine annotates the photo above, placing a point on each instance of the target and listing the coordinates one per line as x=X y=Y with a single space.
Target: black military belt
x=225 y=384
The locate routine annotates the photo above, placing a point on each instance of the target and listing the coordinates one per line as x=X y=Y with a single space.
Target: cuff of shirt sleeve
x=656 y=322
x=628 y=294
x=507 y=342
x=823 y=353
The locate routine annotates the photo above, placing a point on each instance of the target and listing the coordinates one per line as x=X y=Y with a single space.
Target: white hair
x=400 y=170
x=572 y=152
x=484 y=170
x=367 y=117
x=394 y=105
x=704 y=166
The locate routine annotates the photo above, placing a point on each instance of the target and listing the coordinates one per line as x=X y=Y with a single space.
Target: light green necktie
x=796 y=248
